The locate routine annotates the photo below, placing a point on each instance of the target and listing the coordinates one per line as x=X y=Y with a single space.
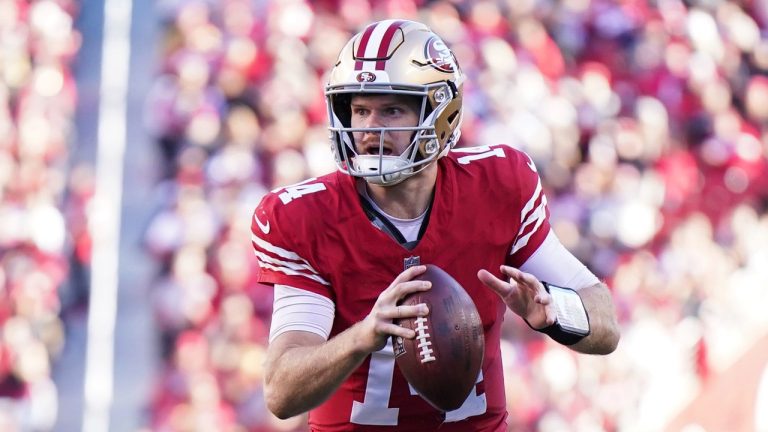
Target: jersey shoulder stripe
x=510 y=186
x=532 y=216
x=530 y=225
x=292 y=265
x=287 y=228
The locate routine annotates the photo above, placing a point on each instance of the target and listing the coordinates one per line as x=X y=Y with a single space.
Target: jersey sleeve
x=279 y=242
x=569 y=271
x=532 y=215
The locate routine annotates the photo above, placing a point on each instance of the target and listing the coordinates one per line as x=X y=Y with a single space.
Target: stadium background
x=137 y=136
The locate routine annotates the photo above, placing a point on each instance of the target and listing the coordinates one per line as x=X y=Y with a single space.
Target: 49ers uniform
x=488 y=209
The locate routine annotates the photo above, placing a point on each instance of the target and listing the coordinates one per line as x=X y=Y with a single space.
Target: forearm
x=303 y=369
x=604 y=329
x=303 y=377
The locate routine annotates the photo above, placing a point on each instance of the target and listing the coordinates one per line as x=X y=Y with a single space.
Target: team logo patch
x=439 y=56
x=366 y=77
x=411 y=261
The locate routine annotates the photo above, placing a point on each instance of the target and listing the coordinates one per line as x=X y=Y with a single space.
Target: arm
x=535 y=250
x=604 y=328
x=524 y=294
x=295 y=355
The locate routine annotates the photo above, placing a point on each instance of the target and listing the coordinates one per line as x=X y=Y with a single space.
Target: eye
x=394 y=111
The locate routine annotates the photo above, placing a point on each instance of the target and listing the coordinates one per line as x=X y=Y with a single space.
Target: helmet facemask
x=395 y=57
x=383 y=169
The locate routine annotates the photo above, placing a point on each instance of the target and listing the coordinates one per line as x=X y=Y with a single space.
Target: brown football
x=443 y=362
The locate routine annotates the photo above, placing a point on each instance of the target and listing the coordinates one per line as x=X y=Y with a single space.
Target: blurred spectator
x=646 y=119
x=37 y=102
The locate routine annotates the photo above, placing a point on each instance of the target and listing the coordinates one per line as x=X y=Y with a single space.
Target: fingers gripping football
x=378 y=325
x=523 y=293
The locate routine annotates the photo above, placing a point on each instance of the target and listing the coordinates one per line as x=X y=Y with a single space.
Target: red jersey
x=488 y=209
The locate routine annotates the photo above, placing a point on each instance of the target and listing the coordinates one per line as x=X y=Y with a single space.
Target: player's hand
x=524 y=294
x=377 y=327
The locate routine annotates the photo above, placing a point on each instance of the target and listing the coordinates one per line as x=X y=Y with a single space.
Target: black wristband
x=557 y=332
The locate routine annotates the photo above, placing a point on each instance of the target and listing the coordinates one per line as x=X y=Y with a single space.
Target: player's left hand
x=524 y=294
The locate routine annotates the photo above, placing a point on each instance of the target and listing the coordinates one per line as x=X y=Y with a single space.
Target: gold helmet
x=395 y=57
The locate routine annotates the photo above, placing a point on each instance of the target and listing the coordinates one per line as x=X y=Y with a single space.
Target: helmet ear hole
x=343 y=147
x=342 y=109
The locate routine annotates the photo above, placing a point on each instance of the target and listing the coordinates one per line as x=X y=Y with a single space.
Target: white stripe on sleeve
x=529 y=205
x=292 y=264
x=269 y=247
x=538 y=216
x=295 y=309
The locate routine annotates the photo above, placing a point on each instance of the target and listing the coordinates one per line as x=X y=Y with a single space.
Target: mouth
x=373 y=149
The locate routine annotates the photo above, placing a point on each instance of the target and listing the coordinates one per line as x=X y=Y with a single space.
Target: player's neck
x=406 y=200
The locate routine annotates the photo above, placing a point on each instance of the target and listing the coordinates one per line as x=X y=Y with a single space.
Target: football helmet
x=404 y=58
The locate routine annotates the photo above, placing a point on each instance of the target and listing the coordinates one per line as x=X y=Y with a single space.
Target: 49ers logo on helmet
x=439 y=56
x=366 y=77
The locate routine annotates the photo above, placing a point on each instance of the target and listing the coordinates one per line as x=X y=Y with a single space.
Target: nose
x=374 y=119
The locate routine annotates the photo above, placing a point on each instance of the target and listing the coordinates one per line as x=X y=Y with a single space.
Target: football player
x=342 y=249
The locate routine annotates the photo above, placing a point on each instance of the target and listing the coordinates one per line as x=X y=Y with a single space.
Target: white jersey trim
x=295 y=309
x=567 y=272
x=529 y=205
x=264 y=258
x=269 y=247
x=300 y=267
x=294 y=273
x=527 y=217
x=538 y=216
x=409 y=228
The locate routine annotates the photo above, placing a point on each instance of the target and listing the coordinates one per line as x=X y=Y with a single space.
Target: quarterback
x=342 y=249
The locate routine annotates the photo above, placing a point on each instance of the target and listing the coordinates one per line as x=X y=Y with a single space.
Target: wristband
x=571 y=319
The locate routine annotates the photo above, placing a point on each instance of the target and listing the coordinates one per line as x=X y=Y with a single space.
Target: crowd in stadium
x=38 y=43
x=647 y=123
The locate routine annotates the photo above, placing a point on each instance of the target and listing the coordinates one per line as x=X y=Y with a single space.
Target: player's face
x=376 y=111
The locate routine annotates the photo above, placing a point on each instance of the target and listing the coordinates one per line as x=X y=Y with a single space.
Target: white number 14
x=375 y=410
x=477 y=153
x=298 y=190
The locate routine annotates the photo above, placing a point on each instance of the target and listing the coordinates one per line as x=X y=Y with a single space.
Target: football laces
x=423 y=336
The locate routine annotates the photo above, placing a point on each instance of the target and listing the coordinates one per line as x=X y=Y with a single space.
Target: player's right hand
x=377 y=327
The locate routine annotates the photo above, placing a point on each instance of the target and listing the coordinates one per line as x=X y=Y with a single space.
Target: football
x=443 y=361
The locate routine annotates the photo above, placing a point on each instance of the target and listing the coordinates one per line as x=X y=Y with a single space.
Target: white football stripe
x=295 y=273
x=538 y=216
x=529 y=205
x=269 y=247
x=291 y=265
